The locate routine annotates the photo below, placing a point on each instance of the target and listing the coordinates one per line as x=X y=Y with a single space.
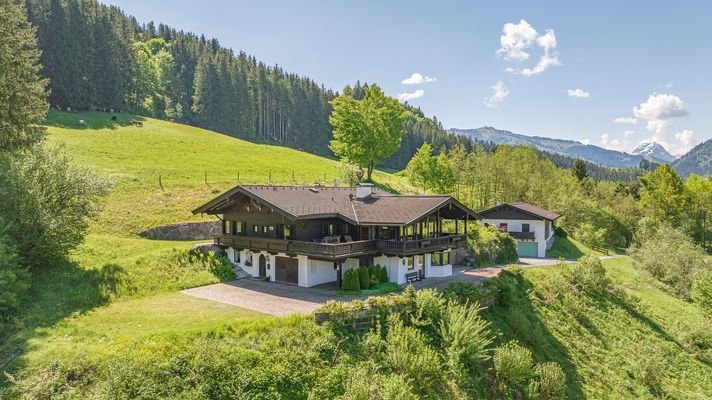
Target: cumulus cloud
x=499 y=93
x=660 y=107
x=686 y=137
x=515 y=39
x=407 y=96
x=515 y=44
x=658 y=128
x=626 y=120
x=579 y=93
x=612 y=144
x=417 y=79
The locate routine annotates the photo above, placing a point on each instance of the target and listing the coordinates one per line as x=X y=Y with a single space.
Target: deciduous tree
x=366 y=131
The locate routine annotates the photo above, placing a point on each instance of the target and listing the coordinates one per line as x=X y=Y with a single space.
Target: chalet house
x=531 y=226
x=311 y=235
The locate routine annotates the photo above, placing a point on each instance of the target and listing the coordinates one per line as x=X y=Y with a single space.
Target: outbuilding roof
x=523 y=207
x=304 y=202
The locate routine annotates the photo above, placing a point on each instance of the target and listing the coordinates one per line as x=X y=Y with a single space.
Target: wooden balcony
x=340 y=251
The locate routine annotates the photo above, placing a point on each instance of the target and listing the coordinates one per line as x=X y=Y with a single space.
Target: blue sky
x=652 y=56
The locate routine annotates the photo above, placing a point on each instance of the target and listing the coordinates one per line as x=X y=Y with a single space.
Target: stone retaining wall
x=184 y=231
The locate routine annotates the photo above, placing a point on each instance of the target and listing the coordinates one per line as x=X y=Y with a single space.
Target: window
x=288 y=231
x=525 y=227
x=255 y=229
x=410 y=262
x=439 y=259
x=227 y=227
x=248 y=258
x=327 y=229
x=503 y=227
x=236 y=255
x=265 y=229
x=238 y=228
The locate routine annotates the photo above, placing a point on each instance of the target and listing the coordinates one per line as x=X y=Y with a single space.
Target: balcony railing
x=337 y=251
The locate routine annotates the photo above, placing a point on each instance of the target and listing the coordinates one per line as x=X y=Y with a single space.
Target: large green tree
x=429 y=171
x=367 y=131
x=664 y=194
x=22 y=91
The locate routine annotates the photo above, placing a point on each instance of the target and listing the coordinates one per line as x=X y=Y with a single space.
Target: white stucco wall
x=436 y=271
x=515 y=225
x=317 y=272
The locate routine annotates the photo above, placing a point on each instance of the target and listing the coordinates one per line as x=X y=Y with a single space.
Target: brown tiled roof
x=313 y=202
x=527 y=208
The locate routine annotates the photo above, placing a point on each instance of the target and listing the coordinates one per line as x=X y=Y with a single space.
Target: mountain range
x=571 y=148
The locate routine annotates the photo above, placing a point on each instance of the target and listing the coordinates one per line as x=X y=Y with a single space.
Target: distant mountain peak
x=653 y=150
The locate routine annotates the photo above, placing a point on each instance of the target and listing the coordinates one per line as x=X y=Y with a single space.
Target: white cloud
x=585 y=141
x=499 y=93
x=407 y=96
x=417 y=79
x=579 y=93
x=515 y=39
x=626 y=120
x=547 y=41
x=660 y=107
x=686 y=137
x=518 y=38
x=659 y=128
x=628 y=133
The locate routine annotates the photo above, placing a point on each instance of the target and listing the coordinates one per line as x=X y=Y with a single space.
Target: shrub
x=408 y=353
x=364 y=382
x=490 y=245
x=590 y=235
x=464 y=337
x=702 y=292
x=351 y=280
x=383 y=275
x=13 y=282
x=513 y=364
x=364 y=278
x=587 y=275
x=672 y=257
x=549 y=382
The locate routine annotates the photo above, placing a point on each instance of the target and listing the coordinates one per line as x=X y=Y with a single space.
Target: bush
x=513 y=365
x=464 y=337
x=351 y=280
x=364 y=278
x=590 y=235
x=550 y=382
x=383 y=275
x=490 y=245
x=587 y=275
x=13 y=282
x=702 y=292
x=672 y=257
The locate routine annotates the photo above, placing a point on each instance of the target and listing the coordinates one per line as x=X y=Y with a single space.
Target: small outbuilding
x=532 y=227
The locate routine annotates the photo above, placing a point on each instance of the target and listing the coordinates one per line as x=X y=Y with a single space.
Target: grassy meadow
x=134 y=157
x=110 y=321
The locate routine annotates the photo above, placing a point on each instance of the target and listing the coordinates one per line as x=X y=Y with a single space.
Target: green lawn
x=122 y=324
x=569 y=248
x=181 y=155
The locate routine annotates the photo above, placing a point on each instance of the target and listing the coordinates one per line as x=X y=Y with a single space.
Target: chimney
x=364 y=190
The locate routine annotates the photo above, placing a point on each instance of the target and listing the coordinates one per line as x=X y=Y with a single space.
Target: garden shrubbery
x=491 y=245
x=364 y=278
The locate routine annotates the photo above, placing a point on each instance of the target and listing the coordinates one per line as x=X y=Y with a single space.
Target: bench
x=412 y=277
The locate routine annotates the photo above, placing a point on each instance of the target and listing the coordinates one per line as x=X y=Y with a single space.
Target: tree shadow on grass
x=56 y=293
x=514 y=317
x=93 y=120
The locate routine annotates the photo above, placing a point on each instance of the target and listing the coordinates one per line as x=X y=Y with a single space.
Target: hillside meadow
x=110 y=321
x=194 y=165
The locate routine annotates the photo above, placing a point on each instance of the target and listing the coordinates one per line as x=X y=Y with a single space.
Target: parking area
x=284 y=299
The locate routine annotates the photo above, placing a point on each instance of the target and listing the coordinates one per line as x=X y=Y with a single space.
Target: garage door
x=527 y=249
x=286 y=269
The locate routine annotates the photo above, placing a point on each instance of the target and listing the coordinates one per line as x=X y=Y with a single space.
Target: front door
x=263 y=265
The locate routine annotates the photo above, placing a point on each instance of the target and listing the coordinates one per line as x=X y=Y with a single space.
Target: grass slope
x=134 y=157
x=647 y=344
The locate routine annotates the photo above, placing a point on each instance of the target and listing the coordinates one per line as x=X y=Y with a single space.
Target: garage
x=286 y=269
x=527 y=249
